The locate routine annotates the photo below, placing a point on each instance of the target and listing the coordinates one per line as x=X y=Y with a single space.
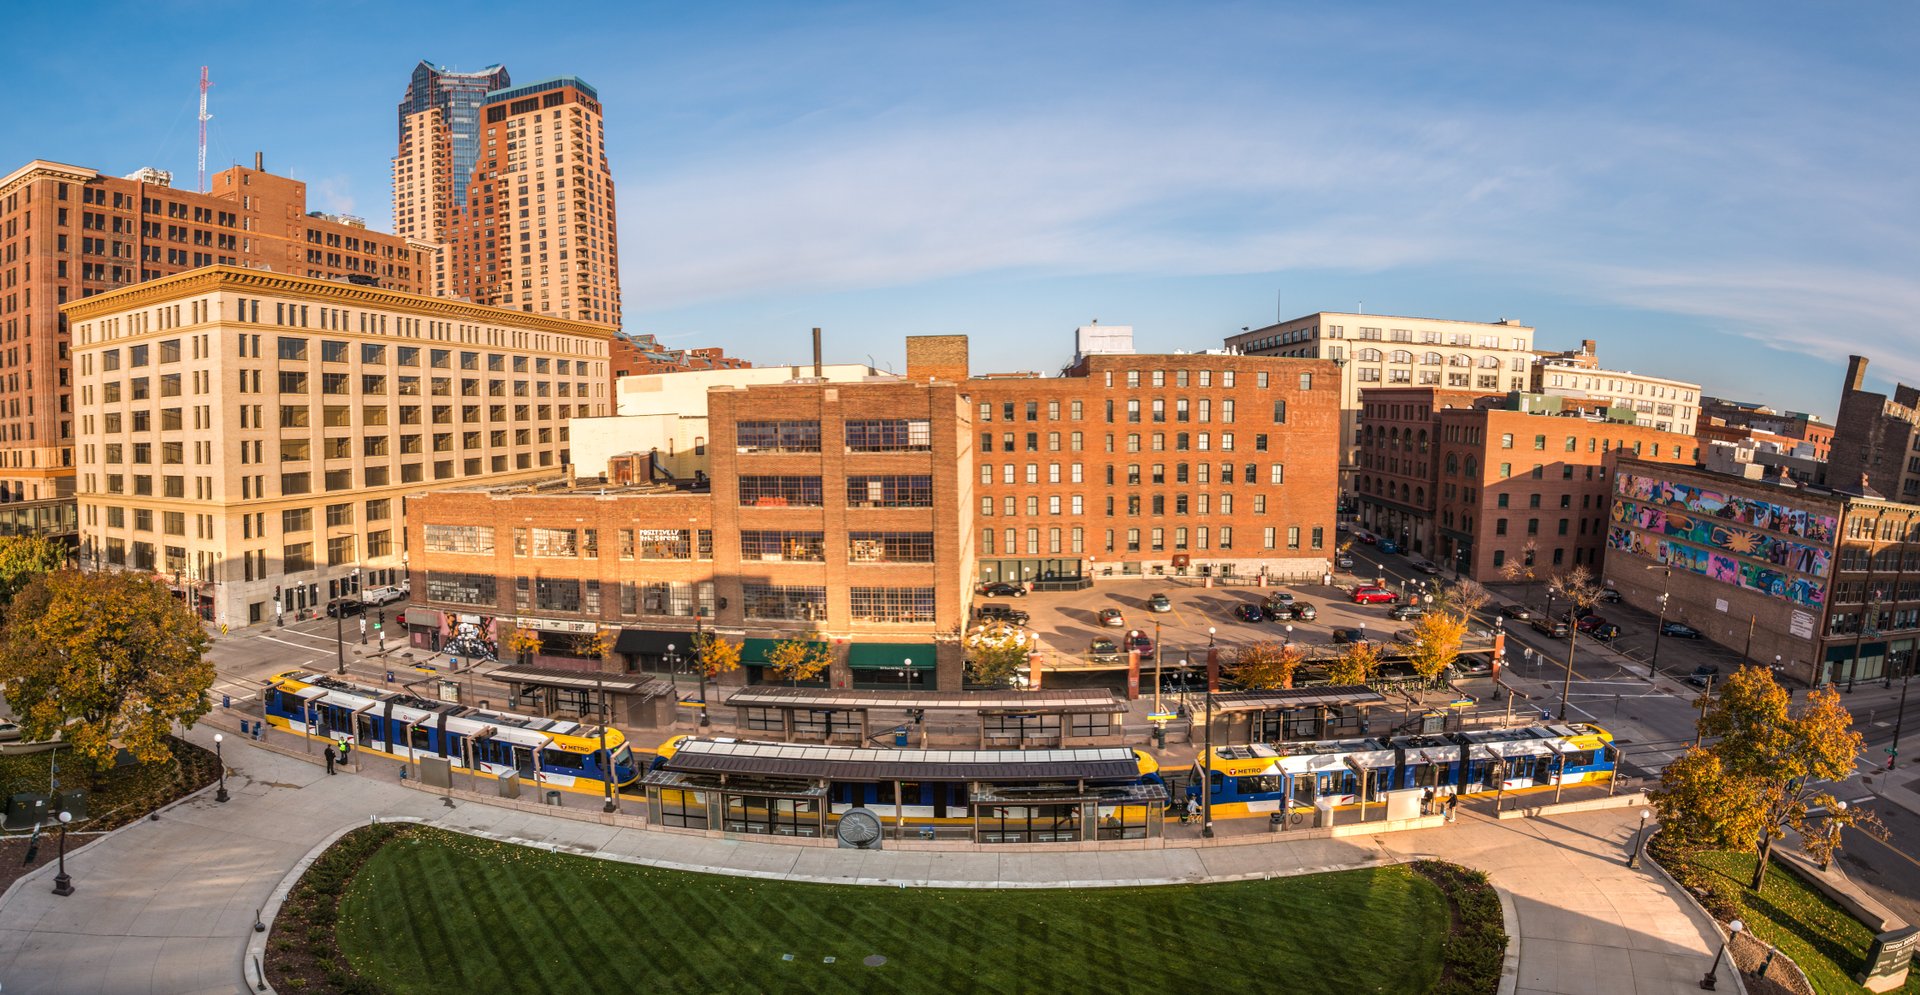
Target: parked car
x=1555 y=628
x=1004 y=590
x=1609 y=596
x=1349 y=635
x=1103 y=650
x=1518 y=613
x=1426 y=566
x=383 y=595
x=346 y=607
x=1679 y=631
x=1364 y=536
x=1472 y=665
x=1406 y=613
x=1303 y=611
x=1279 y=600
x=1158 y=602
x=1247 y=612
x=1342 y=527
x=1374 y=596
x=9 y=731
x=1407 y=636
x=1588 y=623
x=1344 y=562
x=996 y=612
x=1143 y=643
x=1703 y=675
x=1387 y=546
x=1606 y=632
x=1113 y=617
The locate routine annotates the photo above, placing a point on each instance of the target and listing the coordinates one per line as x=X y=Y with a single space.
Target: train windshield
x=623 y=757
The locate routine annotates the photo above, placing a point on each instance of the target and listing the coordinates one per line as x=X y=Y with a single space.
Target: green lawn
x=440 y=912
x=1827 y=943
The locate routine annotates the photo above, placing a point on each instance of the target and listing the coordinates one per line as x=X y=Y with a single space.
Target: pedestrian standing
x=1426 y=802
x=345 y=749
x=1453 y=802
x=329 y=758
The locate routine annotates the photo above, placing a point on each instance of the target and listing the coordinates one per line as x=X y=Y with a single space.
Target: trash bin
x=553 y=798
x=1276 y=822
x=900 y=736
x=510 y=784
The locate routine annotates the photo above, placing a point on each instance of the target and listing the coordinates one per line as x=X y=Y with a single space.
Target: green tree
x=104 y=660
x=1354 y=666
x=1436 y=643
x=1265 y=665
x=523 y=643
x=797 y=660
x=995 y=653
x=23 y=558
x=1769 y=761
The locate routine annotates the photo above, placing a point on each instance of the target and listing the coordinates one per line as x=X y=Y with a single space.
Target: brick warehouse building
x=1821 y=583
x=1876 y=438
x=827 y=515
x=253 y=437
x=1533 y=471
x=67 y=233
x=1188 y=464
x=1397 y=469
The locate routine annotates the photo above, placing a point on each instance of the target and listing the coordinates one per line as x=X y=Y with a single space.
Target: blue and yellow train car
x=1262 y=779
x=546 y=753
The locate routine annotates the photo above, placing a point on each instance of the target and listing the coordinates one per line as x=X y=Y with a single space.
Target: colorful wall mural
x=1701 y=531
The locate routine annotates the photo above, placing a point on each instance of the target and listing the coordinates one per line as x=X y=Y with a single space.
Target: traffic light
x=381 y=622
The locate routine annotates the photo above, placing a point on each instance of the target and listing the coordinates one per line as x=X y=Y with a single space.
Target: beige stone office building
x=1378 y=350
x=1655 y=402
x=251 y=438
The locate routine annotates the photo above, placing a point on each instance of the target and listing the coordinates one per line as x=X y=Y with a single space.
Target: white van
x=383 y=595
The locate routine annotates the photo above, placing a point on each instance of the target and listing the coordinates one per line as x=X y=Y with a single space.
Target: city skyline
x=1672 y=178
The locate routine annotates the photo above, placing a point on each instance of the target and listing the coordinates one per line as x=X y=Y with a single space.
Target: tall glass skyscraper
x=439 y=143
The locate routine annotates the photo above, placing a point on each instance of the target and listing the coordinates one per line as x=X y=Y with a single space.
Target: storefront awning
x=754 y=652
x=652 y=642
x=891 y=656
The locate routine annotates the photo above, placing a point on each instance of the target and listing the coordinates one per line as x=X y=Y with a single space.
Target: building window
x=800 y=603
x=808 y=547
x=462 y=539
x=889 y=435
x=780 y=491
x=889 y=491
x=777 y=436
x=891 y=604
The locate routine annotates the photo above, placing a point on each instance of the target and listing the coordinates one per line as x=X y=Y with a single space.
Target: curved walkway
x=166 y=907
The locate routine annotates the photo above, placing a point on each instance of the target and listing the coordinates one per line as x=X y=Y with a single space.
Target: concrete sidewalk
x=168 y=906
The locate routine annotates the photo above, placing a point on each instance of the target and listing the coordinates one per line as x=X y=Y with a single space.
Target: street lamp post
x=1206 y=773
x=1288 y=641
x=1639 y=837
x=1659 y=629
x=1900 y=717
x=1833 y=835
x=1156 y=669
x=607 y=775
x=1566 y=687
x=705 y=720
x=1710 y=982
x=220 y=760
x=63 y=882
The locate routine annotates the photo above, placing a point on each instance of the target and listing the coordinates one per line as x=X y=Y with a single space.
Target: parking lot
x=1068 y=622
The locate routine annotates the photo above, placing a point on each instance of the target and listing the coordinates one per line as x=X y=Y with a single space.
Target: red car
x=1374 y=596
x=1590 y=622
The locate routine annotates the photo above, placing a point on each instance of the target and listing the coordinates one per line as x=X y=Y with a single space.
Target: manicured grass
x=435 y=912
x=1827 y=943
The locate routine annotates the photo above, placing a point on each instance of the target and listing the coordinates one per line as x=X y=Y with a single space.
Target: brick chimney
x=1856 y=372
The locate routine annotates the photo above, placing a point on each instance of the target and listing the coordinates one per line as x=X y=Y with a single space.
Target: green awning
x=891 y=656
x=753 y=652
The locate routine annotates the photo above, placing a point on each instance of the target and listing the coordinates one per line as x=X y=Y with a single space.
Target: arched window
x=1432 y=359
x=1460 y=359
x=1489 y=362
x=1368 y=355
x=1401 y=356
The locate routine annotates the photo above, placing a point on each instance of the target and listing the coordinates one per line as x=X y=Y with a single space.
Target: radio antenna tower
x=204 y=118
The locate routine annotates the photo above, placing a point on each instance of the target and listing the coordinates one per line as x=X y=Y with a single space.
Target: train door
x=524 y=760
x=1301 y=794
x=939 y=792
x=363 y=729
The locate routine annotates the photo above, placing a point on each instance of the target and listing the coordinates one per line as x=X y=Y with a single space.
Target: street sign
x=1162 y=716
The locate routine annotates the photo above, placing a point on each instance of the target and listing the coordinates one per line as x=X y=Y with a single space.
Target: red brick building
x=829 y=516
x=1732 y=421
x=68 y=232
x=1191 y=464
x=642 y=353
x=1529 y=483
x=1396 y=472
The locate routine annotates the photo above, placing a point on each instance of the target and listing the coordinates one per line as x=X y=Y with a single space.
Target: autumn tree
x=1436 y=643
x=22 y=558
x=1464 y=598
x=1355 y=665
x=103 y=660
x=523 y=643
x=1577 y=587
x=1265 y=665
x=1762 y=774
x=1520 y=568
x=714 y=655
x=597 y=646
x=995 y=653
x=796 y=660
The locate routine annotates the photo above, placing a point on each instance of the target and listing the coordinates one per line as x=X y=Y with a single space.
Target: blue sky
x=1717 y=192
